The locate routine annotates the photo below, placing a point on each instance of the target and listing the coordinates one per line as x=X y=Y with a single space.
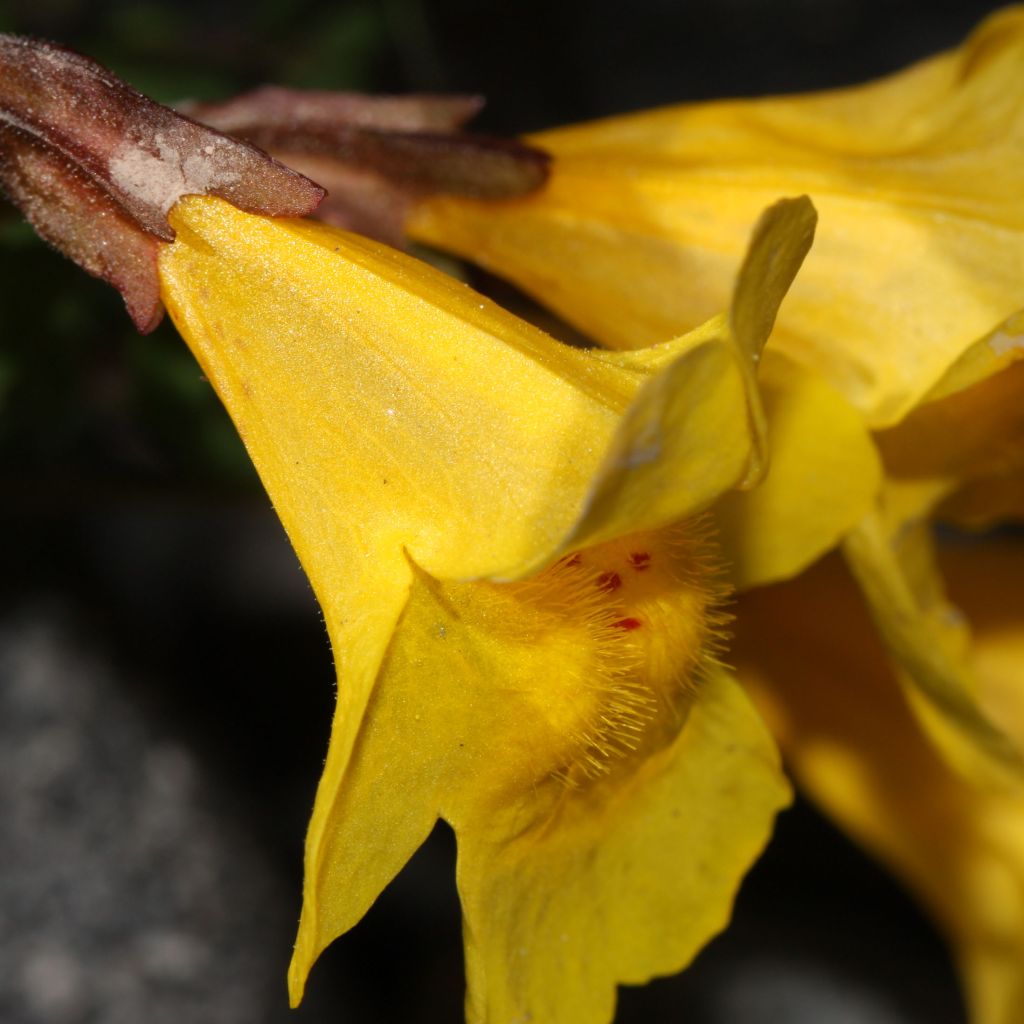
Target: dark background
x=165 y=682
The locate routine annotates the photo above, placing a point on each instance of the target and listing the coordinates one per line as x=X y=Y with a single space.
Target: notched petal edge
x=95 y=166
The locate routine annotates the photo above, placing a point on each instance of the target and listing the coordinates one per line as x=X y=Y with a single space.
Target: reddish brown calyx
x=95 y=167
x=379 y=154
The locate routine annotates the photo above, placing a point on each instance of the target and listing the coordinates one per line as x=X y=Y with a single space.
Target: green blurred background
x=165 y=684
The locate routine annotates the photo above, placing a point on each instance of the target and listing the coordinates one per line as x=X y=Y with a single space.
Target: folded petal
x=681 y=444
x=809 y=654
x=381 y=790
x=921 y=239
x=929 y=643
x=824 y=478
x=384 y=403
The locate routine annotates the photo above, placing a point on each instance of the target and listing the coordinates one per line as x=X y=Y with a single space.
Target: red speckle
x=640 y=560
x=573 y=559
x=627 y=624
x=609 y=581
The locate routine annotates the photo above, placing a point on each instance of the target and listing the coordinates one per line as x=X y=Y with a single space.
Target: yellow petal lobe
x=682 y=443
x=558 y=916
x=607 y=783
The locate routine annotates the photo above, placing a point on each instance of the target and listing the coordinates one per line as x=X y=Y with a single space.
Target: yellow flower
x=904 y=320
x=892 y=390
x=827 y=691
x=908 y=298
x=920 y=251
x=504 y=534
x=948 y=817
x=894 y=483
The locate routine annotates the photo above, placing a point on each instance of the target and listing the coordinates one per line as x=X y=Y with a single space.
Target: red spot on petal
x=609 y=581
x=640 y=560
x=627 y=624
x=573 y=559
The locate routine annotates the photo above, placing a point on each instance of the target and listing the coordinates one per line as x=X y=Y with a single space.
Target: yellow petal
x=386 y=405
x=604 y=811
x=623 y=889
x=680 y=446
x=824 y=478
x=682 y=443
x=929 y=643
x=815 y=667
x=920 y=250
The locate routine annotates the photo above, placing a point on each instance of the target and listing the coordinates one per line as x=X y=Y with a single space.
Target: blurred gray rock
x=129 y=892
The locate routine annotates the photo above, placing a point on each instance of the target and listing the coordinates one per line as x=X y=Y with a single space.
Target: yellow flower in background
x=920 y=251
x=504 y=534
x=891 y=389
x=904 y=318
x=876 y=496
x=826 y=688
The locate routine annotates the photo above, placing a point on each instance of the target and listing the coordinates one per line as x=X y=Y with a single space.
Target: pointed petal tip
x=778 y=246
x=298 y=971
x=781 y=240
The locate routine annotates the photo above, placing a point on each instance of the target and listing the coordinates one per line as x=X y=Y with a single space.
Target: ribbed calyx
x=377 y=155
x=95 y=166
